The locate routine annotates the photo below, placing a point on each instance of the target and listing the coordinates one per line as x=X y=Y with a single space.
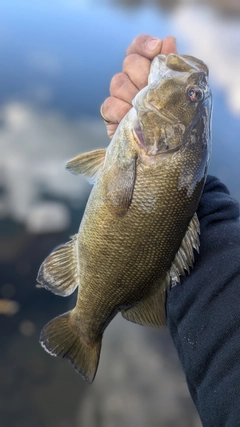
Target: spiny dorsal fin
x=88 y=164
x=61 y=337
x=184 y=258
x=150 y=311
x=59 y=272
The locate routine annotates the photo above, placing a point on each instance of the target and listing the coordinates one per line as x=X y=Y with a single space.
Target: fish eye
x=195 y=94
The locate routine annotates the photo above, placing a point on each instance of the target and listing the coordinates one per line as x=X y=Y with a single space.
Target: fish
x=140 y=229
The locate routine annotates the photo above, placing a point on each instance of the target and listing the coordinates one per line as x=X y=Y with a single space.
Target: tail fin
x=61 y=338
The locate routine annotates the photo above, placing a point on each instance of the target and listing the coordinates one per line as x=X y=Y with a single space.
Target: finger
x=146 y=46
x=123 y=88
x=169 y=45
x=137 y=68
x=111 y=129
x=114 y=109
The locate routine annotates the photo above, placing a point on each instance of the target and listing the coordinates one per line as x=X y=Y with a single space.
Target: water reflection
x=217 y=50
x=35 y=147
x=53 y=81
x=223 y=7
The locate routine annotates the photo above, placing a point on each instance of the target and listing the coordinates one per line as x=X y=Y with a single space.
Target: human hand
x=124 y=86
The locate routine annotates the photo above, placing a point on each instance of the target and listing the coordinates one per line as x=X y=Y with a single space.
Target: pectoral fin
x=59 y=272
x=121 y=185
x=88 y=164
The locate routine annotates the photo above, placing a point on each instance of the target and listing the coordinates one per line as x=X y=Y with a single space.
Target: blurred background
x=56 y=61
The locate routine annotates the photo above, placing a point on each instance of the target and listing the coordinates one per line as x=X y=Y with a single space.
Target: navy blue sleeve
x=204 y=312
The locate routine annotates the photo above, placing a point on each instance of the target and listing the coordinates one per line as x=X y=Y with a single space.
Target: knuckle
x=130 y=60
x=117 y=82
x=111 y=128
x=115 y=109
x=123 y=110
x=139 y=42
x=137 y=68
x=108 y=103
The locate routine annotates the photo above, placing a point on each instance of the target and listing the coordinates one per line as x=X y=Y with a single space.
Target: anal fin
x=59 y=272
x=150 y=311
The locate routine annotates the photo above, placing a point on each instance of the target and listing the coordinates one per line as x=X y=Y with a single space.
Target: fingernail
x=152 y=44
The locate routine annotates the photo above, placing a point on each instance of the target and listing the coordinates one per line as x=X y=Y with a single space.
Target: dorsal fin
x=184 y=258
x=88 y=164
x=151 y=310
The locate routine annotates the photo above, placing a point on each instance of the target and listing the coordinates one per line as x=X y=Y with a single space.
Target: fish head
x=176 y=101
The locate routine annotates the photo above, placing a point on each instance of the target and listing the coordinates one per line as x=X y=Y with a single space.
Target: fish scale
x=139 y=227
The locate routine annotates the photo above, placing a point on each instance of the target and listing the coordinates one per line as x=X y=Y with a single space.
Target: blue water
x=89 y=43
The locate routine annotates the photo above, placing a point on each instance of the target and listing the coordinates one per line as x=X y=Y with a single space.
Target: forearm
x=204 y=312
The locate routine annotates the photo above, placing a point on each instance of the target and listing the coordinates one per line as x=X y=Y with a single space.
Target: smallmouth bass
x=139 y=229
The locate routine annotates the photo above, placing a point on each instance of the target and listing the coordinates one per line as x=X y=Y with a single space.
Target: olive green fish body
x=139 y=228
x=117 y=258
